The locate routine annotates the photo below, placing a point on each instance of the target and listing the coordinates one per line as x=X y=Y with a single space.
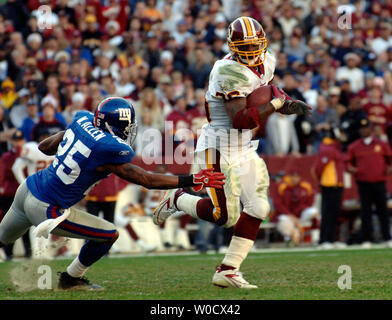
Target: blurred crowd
x=58 y=57
x=335 y=55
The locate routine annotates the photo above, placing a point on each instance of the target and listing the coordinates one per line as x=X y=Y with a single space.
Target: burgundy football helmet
x=247 y=41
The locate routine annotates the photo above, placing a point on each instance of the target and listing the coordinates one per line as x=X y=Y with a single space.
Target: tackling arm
x=149 y=180
x=50 y=144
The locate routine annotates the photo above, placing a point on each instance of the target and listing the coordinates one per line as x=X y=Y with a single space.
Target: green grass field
x=285 y=275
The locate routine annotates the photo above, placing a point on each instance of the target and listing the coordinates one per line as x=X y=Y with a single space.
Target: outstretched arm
x=149 y=180
x=50 y=144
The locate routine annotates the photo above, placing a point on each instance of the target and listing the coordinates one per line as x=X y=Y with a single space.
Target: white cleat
x=230 y=278
x=165 y=207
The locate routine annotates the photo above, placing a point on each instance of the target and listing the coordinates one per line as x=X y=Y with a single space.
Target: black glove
x=295 y=107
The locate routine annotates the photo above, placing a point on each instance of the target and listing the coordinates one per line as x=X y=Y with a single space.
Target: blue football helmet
x=117 y=116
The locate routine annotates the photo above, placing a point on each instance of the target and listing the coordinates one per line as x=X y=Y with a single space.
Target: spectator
x=152 y=53
x=8 y=95
x=329 y=172
x=124 y=87
x=77 y=51
x=6 y=131
x=200 y=70
x=295 y=49
x=34 y=42
x=281 y=138
x=308 y=93
x=53 y=90
x=351 y=72
x=333 y=101
x=294 y=207
x=384 y=40
x=31 y=72
x=47 y=121
x=31 y=119
x=377 y=112
x=8 y=68
x=149 y=103
x=16 y=11
x=92 y=35
x=151 y=12
x=19 y=110
x=287 y=20
x=351 y=120
x=78 y=101
x=197 y=115
x=166 y=61
x=370 y=161
x=178 y=84
x=323 y=119
x=182 y=33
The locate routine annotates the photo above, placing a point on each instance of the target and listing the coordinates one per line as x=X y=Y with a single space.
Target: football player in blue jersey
x=91 y=147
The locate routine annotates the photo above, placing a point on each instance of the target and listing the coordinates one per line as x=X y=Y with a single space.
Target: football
x=258 y=97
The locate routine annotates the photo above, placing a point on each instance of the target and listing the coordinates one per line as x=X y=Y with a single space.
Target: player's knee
x=259 y=209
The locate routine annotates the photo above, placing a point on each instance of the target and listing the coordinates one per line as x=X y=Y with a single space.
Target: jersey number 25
x=69 y=161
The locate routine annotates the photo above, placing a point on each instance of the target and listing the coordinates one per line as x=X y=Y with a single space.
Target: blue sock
x=92 y=251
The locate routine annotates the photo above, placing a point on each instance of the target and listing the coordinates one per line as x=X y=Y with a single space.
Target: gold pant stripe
x=217 y=212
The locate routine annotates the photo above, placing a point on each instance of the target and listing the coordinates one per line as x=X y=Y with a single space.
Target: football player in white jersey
x=226 y=147
x=32 y=159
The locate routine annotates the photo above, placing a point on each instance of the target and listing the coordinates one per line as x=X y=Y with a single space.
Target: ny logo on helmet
x=124 y=114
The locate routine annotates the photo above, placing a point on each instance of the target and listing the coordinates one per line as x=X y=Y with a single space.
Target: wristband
x=185 y=181
x=277 y=103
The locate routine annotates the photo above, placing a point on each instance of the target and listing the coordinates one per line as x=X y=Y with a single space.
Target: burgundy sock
x=205 y=209
x=132 y=232
x=247 y=227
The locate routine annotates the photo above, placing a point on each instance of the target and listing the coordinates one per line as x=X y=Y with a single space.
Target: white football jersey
x=32 y=159
x=230 y=79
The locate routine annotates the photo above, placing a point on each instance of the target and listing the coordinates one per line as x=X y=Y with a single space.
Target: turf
x=288 y=275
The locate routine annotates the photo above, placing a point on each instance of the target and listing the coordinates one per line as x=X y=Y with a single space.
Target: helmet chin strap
x=109 y=128
x=131 y=134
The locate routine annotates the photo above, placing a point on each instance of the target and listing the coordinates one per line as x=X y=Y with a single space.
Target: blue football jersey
x=74 y=171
